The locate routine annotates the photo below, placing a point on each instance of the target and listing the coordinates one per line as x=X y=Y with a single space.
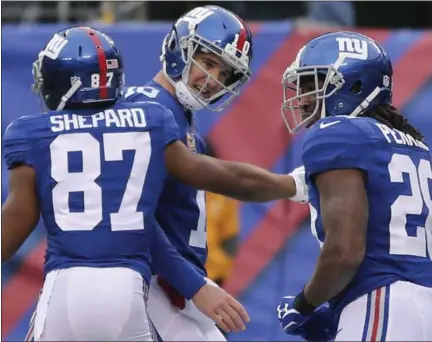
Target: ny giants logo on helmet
x=352 y=48
x=196 y=16
x=54 y=46
x=240 y=42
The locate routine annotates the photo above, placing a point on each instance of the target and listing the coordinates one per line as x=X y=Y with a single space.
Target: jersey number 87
x=127 y=217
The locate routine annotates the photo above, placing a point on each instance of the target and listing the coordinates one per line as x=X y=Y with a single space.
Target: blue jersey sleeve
x=139 y=94
x=171 y=266
x=171 y=129
x=335 y=143
x=16 y=145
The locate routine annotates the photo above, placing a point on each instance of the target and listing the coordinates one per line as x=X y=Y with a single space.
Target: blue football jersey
x=99 y=177
x=399 y=176
x=181 y=208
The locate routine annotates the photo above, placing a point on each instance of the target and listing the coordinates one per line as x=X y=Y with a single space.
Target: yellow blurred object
x=107 y=10
x=222 y=232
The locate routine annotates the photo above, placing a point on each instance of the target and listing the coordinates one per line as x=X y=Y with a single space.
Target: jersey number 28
x=400 y=242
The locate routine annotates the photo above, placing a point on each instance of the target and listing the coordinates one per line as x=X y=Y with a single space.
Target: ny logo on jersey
x=195 y=16
x=55 y=45
x=353 y=48
x=190 y=140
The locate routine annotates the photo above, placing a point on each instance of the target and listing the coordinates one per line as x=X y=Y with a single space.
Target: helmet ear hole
x=357 y=87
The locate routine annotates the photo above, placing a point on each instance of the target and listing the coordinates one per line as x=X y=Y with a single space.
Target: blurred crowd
x=377 y=14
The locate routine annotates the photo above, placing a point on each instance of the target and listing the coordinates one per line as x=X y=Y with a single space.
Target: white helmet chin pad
x=186 y=98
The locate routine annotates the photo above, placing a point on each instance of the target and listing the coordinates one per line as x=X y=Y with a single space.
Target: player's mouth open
x=205 y=93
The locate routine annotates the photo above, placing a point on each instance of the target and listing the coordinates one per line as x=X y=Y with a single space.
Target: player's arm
x=237 y=180
x=213 y=301
x=173 y=268
x=336 y=159
x=344 y=215
x=20 y=212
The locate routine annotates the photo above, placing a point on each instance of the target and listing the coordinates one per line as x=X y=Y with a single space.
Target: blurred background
x=258 y=252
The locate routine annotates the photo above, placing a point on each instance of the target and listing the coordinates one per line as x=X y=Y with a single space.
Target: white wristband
x=299 y=176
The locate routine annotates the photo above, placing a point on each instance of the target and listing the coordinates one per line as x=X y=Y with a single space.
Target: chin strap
x=366 y=102
x=69 y=94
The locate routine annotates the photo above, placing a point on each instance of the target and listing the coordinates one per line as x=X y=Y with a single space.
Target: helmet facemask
x=325 y=80
x=37 y=74
x=194 y=99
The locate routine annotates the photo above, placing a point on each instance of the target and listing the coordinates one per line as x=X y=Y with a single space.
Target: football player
x=94 y=167
x=206 y=60
x=369 y=175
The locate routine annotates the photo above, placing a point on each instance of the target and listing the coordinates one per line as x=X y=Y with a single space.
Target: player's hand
x=299 y=176
x=222 y=308
x=290 y=319
x=321 y=326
